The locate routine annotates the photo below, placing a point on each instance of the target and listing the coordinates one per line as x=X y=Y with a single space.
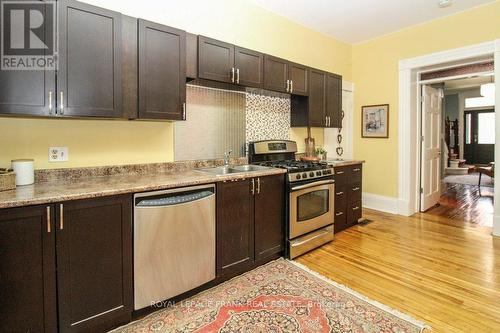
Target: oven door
x=311 y=207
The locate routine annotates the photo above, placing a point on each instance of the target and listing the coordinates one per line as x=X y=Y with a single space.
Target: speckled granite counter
x=342 y=163
x=92 y=187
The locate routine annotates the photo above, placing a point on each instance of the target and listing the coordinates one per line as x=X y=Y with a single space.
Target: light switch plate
x=58 y=154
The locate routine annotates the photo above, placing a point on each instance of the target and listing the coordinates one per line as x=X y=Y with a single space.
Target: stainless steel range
x=310 y=189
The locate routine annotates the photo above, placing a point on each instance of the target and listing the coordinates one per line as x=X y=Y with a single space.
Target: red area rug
x=281 y=296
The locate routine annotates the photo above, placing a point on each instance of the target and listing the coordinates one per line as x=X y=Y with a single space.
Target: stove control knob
x=298 y=176
x=311 y=174
x=304 y=175
x=318 y=173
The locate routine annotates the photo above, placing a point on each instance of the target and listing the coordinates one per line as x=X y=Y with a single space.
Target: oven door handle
x=318 y=183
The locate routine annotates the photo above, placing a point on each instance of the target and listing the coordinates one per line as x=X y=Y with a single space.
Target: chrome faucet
x=227 y=156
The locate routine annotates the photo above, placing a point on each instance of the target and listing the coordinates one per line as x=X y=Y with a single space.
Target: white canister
x=24 y=169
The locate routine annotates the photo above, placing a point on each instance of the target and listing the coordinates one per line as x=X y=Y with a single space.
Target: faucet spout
x=227 y=156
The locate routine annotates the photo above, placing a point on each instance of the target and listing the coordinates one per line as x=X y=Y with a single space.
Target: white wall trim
x=347 y=85
x=380 y=203
x=496 y=216
x=408 y=124
x=467 y=52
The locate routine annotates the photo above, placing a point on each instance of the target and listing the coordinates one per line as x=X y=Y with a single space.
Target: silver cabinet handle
x=50 y=102
x=356 y=169
x=232 y=74
x=340 y=193
x=62 y=103
x=340 y=172
x=329 y=121
x=258 y=185
x=253 y=186
x=355 y=208
x=237 y=75
x=48 y=220
x=355 y=189
x=326 y=121
x=291 y=85
x=287 y=85
x=339 y=214
x=184 y=110
x=61 y=217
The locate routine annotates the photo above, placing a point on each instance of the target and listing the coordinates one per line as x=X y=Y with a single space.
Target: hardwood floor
x=445 y=272
x=466 y=203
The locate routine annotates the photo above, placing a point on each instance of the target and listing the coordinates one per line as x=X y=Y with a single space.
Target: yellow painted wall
x=93 y=143
x=375 y=74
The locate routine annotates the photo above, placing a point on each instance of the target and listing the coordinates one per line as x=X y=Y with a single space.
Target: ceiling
x=355 y=21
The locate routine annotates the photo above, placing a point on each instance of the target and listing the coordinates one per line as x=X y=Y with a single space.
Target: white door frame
x=409 y=124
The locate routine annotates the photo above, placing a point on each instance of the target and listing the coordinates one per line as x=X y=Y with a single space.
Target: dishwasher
x=174 y=242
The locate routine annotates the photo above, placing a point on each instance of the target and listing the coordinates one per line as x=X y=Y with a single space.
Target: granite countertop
x=342 y=163
x=93 y=187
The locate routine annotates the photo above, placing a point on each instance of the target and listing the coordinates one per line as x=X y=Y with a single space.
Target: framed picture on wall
x=375 y=121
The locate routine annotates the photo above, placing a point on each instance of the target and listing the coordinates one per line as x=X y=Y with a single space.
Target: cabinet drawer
x=340 y=219
x=355 y=173
x=341 y=174
x=354 y=212
x=354 y=192
x=340 y=196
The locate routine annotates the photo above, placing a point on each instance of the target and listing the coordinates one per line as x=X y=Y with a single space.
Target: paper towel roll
x=24 y=169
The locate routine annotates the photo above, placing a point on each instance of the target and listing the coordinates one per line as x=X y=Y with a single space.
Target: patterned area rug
x=282 y=296
x=470 y=179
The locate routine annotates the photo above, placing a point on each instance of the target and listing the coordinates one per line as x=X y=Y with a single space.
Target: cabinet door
x=24 y=92
x=235 y=227
x=89 y=74
x=215 y=60
x=334 y=100
x=249 y=66
x=27 y=270
x=298 y=76
x=162 y=71
x=269 y=216
x=317 y=99
x=94 y=260
x=275 y=74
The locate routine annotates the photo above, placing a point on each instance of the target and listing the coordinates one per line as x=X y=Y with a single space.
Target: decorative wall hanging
x=375 y=121
x=339 y=150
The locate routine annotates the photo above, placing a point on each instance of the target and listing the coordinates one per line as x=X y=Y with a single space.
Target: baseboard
x=496 y=225
x=380 y=203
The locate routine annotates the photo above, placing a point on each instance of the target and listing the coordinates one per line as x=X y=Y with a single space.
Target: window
x=486 y=128
x=468 y=129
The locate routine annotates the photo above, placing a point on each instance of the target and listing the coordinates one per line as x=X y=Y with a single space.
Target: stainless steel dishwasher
x=174 y=242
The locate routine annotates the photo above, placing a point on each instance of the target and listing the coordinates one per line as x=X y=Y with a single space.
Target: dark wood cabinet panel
x=249 y=67
x=89 y=73
x=24 y=92
x=275 y=74
x=269 y=216
x=162 y=71
x=317 y=99
x=348 y=196
x=235 y=227
x=334 y=100
x=94 y=259
x=215 y=60
x=299 y=77
x=191 y=56
x=130 y=70
x=27 y=270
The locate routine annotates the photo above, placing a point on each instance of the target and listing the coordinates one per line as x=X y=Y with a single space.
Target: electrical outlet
x=58 y=154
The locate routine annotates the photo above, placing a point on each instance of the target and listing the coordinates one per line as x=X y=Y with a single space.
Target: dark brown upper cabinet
x=249 y=67
x=323 y=107
x=28 y=92
x=276 y=74
x=162 y=72
x=298 y=77
x=27 y=270
x=334 y=100
x=89 y=74
x=215 y=60
x=94 y=263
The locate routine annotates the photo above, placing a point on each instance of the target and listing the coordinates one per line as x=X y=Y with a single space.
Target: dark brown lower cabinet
x=250 y=217
x=94 y=263
x=92 y=241
x=348 y=190
x=27 y=270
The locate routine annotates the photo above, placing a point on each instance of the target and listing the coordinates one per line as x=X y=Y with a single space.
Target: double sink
x=227 y=169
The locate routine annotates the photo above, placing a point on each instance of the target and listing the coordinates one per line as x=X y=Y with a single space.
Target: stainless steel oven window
x=312 y=204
